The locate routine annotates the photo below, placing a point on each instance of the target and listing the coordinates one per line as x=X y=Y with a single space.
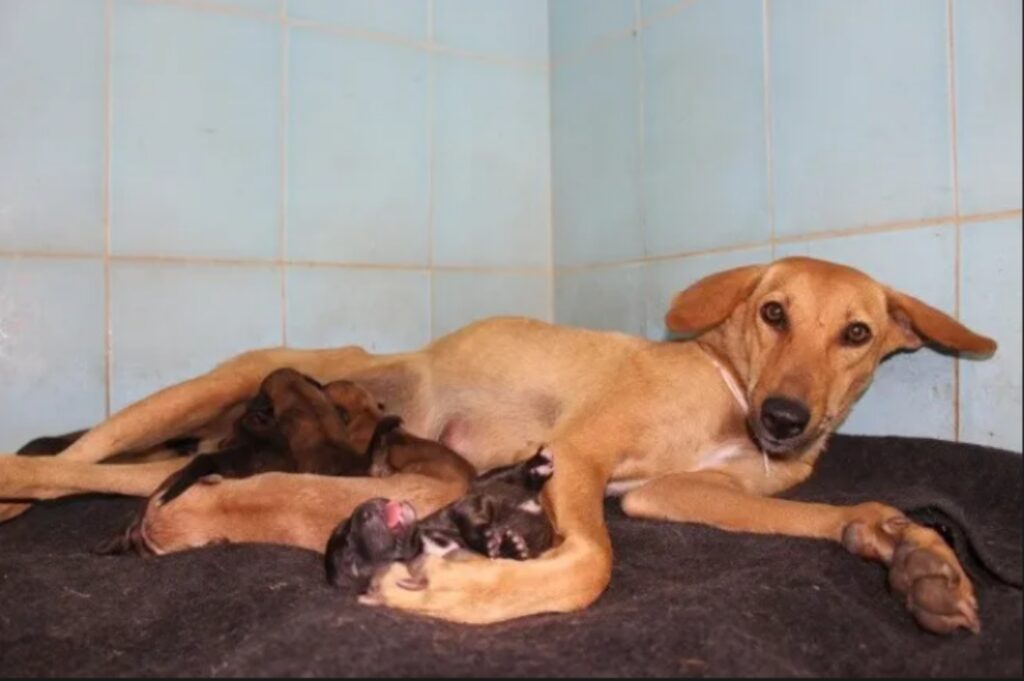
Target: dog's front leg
x=47 y=478
x=569 y=577
x=923 y=570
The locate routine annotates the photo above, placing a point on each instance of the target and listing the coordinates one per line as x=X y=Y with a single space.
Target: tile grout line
x=108 y=350
x=282 y=245
x=349 y=32
x=609 y=40
x=641 y=140
x=431 y=75
x=965 y=220
x=551 y=274
x=955 y=169
x=906 y=226
x=766 y=75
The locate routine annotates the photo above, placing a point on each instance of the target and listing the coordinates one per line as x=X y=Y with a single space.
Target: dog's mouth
x=784 y=449
x=399 y=516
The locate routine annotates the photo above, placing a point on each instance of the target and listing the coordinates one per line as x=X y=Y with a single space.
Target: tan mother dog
x=702 y=431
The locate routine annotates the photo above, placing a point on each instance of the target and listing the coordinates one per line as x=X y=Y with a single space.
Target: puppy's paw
x=542 y=465
x=514 y=546
x=506 y=543
x=494 y=541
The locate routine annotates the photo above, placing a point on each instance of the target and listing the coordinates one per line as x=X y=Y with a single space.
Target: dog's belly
x=490 y=442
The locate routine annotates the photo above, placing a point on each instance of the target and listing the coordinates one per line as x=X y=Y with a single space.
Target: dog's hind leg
x=171 y=413
x=48 y=478
x=188 y=406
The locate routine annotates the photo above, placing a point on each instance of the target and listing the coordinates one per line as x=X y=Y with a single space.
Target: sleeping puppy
x=293 y=425
x=499 y=517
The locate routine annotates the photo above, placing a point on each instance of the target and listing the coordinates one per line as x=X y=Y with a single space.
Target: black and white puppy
x=499 y=517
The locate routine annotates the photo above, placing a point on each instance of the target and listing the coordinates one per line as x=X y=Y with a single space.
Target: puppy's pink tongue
x=393 y=514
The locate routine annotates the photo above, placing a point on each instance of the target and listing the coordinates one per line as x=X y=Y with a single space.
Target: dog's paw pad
x=926 y=574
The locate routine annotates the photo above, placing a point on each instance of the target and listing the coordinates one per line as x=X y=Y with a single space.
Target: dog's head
x=804 y=337
x=379 y=532
x=353 y=399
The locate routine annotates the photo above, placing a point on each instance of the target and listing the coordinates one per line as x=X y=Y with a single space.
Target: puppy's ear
x=917 y=322
x=708 y=302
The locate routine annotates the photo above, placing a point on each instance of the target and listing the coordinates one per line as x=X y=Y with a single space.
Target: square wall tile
x=987 y=40
x=990 y=303
x=52 y=363
x=173 y=321
x=860 y=112
x=606 y=298
x=577 y=24
x=912 y=394
x=517 y=30
x=52 y=125
x=196 y=139
x=268 y=7
x=460 y=298
x=401 y=18
x=380 y=310
x=358 y=160
x=492 y=164
x=704 y=170
x=595 y=157
x=666 y=278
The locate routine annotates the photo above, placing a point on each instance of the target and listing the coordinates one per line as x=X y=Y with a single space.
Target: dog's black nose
x=784 y=418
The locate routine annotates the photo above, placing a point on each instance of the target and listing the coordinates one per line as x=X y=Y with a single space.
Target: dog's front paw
x=923 y=571
x=926 y=572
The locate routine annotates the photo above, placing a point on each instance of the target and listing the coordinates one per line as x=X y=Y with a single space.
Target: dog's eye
x=774 y=315
x=856 y=333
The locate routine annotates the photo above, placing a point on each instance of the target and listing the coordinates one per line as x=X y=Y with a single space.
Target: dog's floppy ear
x=918 y=322
x=708 y=302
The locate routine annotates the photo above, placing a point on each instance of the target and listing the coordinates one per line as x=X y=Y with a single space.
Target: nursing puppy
x=499 y=517
x=293 y=425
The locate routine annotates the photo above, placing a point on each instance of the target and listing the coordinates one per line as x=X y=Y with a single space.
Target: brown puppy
x=290 y=426
x=702 y=431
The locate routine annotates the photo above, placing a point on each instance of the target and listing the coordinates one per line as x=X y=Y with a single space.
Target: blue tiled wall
x=693 y=136
x=359 y=171
x=181 y=181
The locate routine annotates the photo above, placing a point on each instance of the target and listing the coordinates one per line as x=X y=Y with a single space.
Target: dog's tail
x=50 y=445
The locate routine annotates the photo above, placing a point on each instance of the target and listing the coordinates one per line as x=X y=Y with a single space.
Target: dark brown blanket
x=684 y=600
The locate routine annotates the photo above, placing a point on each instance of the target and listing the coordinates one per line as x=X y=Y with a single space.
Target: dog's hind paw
x=923 y=571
